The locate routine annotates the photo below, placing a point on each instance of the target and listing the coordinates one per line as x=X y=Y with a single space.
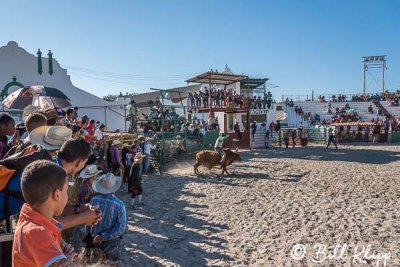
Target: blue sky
x=300 y=45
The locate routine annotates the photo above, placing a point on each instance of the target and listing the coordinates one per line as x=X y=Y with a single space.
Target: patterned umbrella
x=37 y=95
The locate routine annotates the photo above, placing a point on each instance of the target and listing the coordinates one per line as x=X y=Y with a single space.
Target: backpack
x=11 y=199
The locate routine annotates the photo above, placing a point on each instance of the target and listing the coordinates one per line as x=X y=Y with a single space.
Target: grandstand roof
x=213 y=77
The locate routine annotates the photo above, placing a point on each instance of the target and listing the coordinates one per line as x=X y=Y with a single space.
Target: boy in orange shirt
x=37 y=237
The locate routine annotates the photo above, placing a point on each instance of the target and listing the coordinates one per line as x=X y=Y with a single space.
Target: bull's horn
x=237 y=149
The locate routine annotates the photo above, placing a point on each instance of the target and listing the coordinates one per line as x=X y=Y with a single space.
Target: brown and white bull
x=210 y=159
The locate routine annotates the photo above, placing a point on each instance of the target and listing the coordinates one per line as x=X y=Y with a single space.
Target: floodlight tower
x=375 y=62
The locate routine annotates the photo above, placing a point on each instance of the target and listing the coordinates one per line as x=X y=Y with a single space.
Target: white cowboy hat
x=50 y=137
x=107 y=184
x=89 y=171
x=116 y=142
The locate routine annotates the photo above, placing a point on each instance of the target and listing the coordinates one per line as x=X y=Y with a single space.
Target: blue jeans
x=146 y=163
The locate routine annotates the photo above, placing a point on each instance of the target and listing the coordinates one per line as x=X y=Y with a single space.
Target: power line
x=120 y=82
x=126 y=76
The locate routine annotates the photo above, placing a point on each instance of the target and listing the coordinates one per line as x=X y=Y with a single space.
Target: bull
x=210 y=159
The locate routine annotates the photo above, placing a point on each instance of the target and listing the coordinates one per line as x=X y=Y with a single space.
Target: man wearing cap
x=108 y=233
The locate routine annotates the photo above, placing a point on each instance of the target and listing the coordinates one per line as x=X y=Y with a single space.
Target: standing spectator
x=294 y=135
x=135 y=180
x=286 y=138
x=253 y=129
x=148 y=147
x=271 y=129
x=68 y=120
x=266 y=133
x=85 y=191
x=236 y=128
x=76 y=115
x=90 y=129
x=108 y=232
x=98 y=134
x=116 y=157
x=190 y=99
x=126 y=148
x=278 y=127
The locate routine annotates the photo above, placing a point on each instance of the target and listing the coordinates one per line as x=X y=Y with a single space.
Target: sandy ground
x=271 y=201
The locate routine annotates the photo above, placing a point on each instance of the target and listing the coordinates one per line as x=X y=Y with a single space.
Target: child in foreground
x=37 y=237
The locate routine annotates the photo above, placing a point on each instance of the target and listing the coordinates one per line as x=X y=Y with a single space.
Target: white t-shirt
x=98 y=134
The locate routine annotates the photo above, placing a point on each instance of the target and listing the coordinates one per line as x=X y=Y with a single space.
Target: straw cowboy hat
x=29 y=109
x=50 y=137
x=116 y=142
x=89 y=171
x=107 y=184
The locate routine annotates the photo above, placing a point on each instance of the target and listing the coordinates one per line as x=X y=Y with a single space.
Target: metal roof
x=213 y=77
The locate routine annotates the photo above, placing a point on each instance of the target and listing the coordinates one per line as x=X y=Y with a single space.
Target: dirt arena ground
x=278 y=207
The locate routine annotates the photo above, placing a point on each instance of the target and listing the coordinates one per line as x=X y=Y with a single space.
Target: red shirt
x=37 y=240
x=90 y=130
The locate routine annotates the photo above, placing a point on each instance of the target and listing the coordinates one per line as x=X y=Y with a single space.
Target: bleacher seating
x=322 y=108
x=393 y=110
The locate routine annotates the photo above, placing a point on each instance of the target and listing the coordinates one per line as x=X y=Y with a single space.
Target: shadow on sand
x=169 y=232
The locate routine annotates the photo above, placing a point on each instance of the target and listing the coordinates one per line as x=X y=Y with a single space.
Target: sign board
x=258 y=111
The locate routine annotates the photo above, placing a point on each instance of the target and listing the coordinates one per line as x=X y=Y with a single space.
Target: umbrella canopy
x=37 y=95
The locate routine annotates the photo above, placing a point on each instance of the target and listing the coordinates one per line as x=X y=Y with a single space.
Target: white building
x=19 y=68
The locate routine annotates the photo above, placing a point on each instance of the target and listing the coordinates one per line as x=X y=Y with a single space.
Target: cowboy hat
x=89 y=171
x=51 y=114
x=50 y=137
x=107 y=184
x=28 y=110
x=116 y=142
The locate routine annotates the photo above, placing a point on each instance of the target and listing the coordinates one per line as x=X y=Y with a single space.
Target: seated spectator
x=370 y=110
